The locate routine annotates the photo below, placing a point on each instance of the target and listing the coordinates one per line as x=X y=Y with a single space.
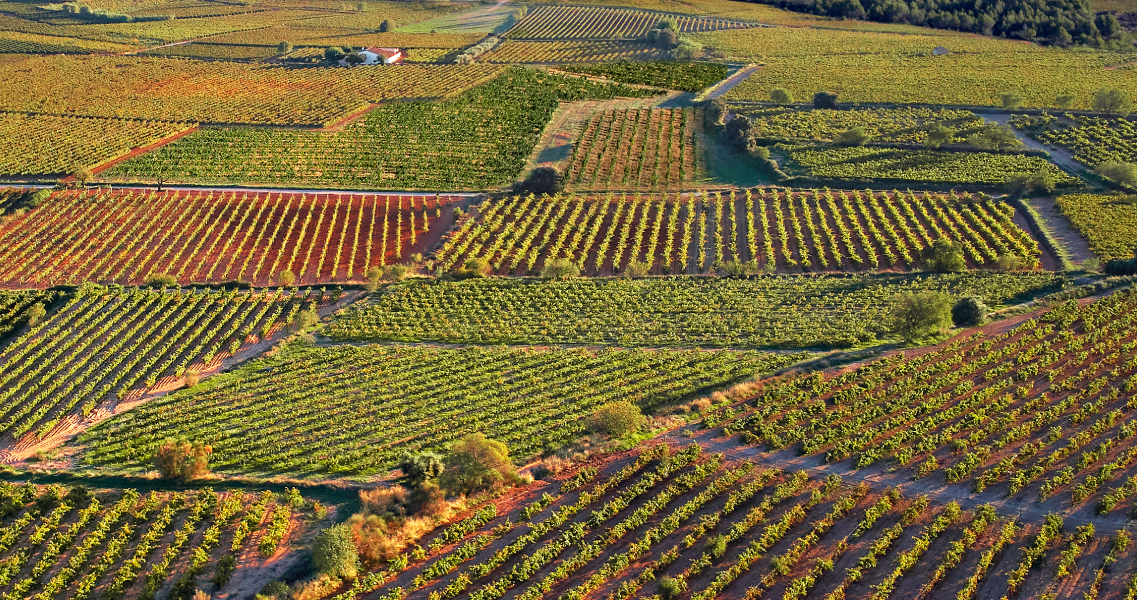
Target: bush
x=374 y=277
x=922 y=314
x=855 y=136
x=760 y=152
x=79 y=496
x=781 y=96
x=385 y=26
x=477 y=267
x=542 y=180
x=82 y=175
x=739 y=134
x=637 y=268
x=277 y=590
x=286 y=278
x=36 y=313
x=334 y=552
x=716 y=546
x=617 y=419
x=182 y=460
x=560 y=268
x=476 y=463
x=969 y=311
x=284 y=47
x=333 y=53
x=225 y=567
x=161 y=280
x=38 y=198
x=995 y=137
x=1039 y=182
x=825 y=100
x=715 y=111
x=939 y=135
x=1113 y=101
x=1120 y=173
x=1012 y=100
x=1012 y=262
x=422 y=467
x=669 y=588
x=944 y=256
x=396 y=272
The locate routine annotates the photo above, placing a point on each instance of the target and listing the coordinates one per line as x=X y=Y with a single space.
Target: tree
x=1120 y=173
x=637 y=268
x=715 y=111
x=918 y=315
x=969 y=311
x=396 y=272
x=939 y=135
x=1012 y=100
x=686 y=50
x=334 y=552
x=739 y=134
x=1039 y=182
x=476 y=463
x=542 y=180
x=286 y=278
x=560 y=268
x=354 y=58
x=944 y=256
x=385 y=26
x=284 y=47
x=995 y=137
x=82 y=175
x=478 y=267
x=422 y=467
x=182 y=460
x=38 y=198
x=781 y=96
x=667 y=39
x=1113 y=101
x=825 y=100
x=854 y=136
x=333 y=53
x=161 y=280
x=617 y=419
x=670 y=588
x=36 y=313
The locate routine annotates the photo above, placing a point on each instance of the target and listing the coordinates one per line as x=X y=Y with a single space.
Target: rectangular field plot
x=581 y=22
x=120 y=543
x=43 y=144
x=894 y=125
x=760 y=312
x=218 y=92
x=356 y=409
x=1092 y=140
x=673 y=75
x=641 y=149
x=770 y=230
x=1109 y=223
x=1037 y=412
x=128 y=236
x=103 y=346
x=520 y=51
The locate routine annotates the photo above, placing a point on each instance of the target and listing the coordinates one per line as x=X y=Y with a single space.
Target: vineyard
x=105 y=346
x=127 y=236
x=479 y=140
x=883 y=67
x=645 y=149
x=46 y=144
x=929 y=166
x=218 y=92
x=794 y=312
x=519 y=51
x=1037 y=412
x=1094 y=140
x=15 y=308
x=784 y=231
x=690 y=523
x=584 y=22
x=215 y=51
x=1109 y=223
x=673 y=75
x=355 y=410
x=894 y=125
x=58 y=543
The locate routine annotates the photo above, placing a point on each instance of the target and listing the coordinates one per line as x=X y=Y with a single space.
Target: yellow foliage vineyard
x=515 y=51
x=43 y=144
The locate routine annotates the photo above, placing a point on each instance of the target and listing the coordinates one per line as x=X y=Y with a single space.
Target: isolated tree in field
x=944 y=256
x=1012 y=100
x=182 y=460
x=284 y=47
x=161 y=280
x=739 y=134
x=38 y=198
x=637 y=268
x=560 y=269
x=617 y=419
x=1113 y=101
x=664 y=35
x=334 y=552
x=715 y=111
x=286 y=278
x=686 y=50
x=396 y=272
x=82 y=175
x=36 y=314
x=374 y=277
x=781 y=96
x=542 y=180
x=422 y=467
x=919 y=315
x=939 y=135
x=825 y=100
x=476 y=463
x=333 y=53
x=995 y=137
x=969 y=311
x=1120 y=173
x=1039 y=182
x=854 y=136
x=385 y=26
x=478 y=267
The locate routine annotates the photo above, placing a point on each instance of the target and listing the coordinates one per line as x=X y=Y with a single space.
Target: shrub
x=374 y=277
x=334 y=552
x=617 y=419
x=1012 y=100
x=637 y=268
x=1012 y=262
x=560 y=268
x=478 y=267
x=396 y=272
x=225 y=567
x=82 y=175
x=918 y=315
x=182 y=460
x=995 y=137
x=286 y=278
x=969 y=311
x=781 y=96
x=855 y=136
x=476 y=463
x=333 y=53
x=161 y=280
x=939 y=135
x=284 y=47
x=385 y=26
x=1039 y=182
x=38 y=198
x=1120 y=173
x=277 y=590
x=36 y=313
x=669 y=588
x=1113 y=101
x=944 y=256
x=825 y=100
x=79 y=496
x=715 y=111
x=739 y=134
x=422 y=467
x=716 y=546
x=542 y=180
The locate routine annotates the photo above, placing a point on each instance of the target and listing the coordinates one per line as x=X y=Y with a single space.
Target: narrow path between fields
x=724 y=86
x=1061 y=157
